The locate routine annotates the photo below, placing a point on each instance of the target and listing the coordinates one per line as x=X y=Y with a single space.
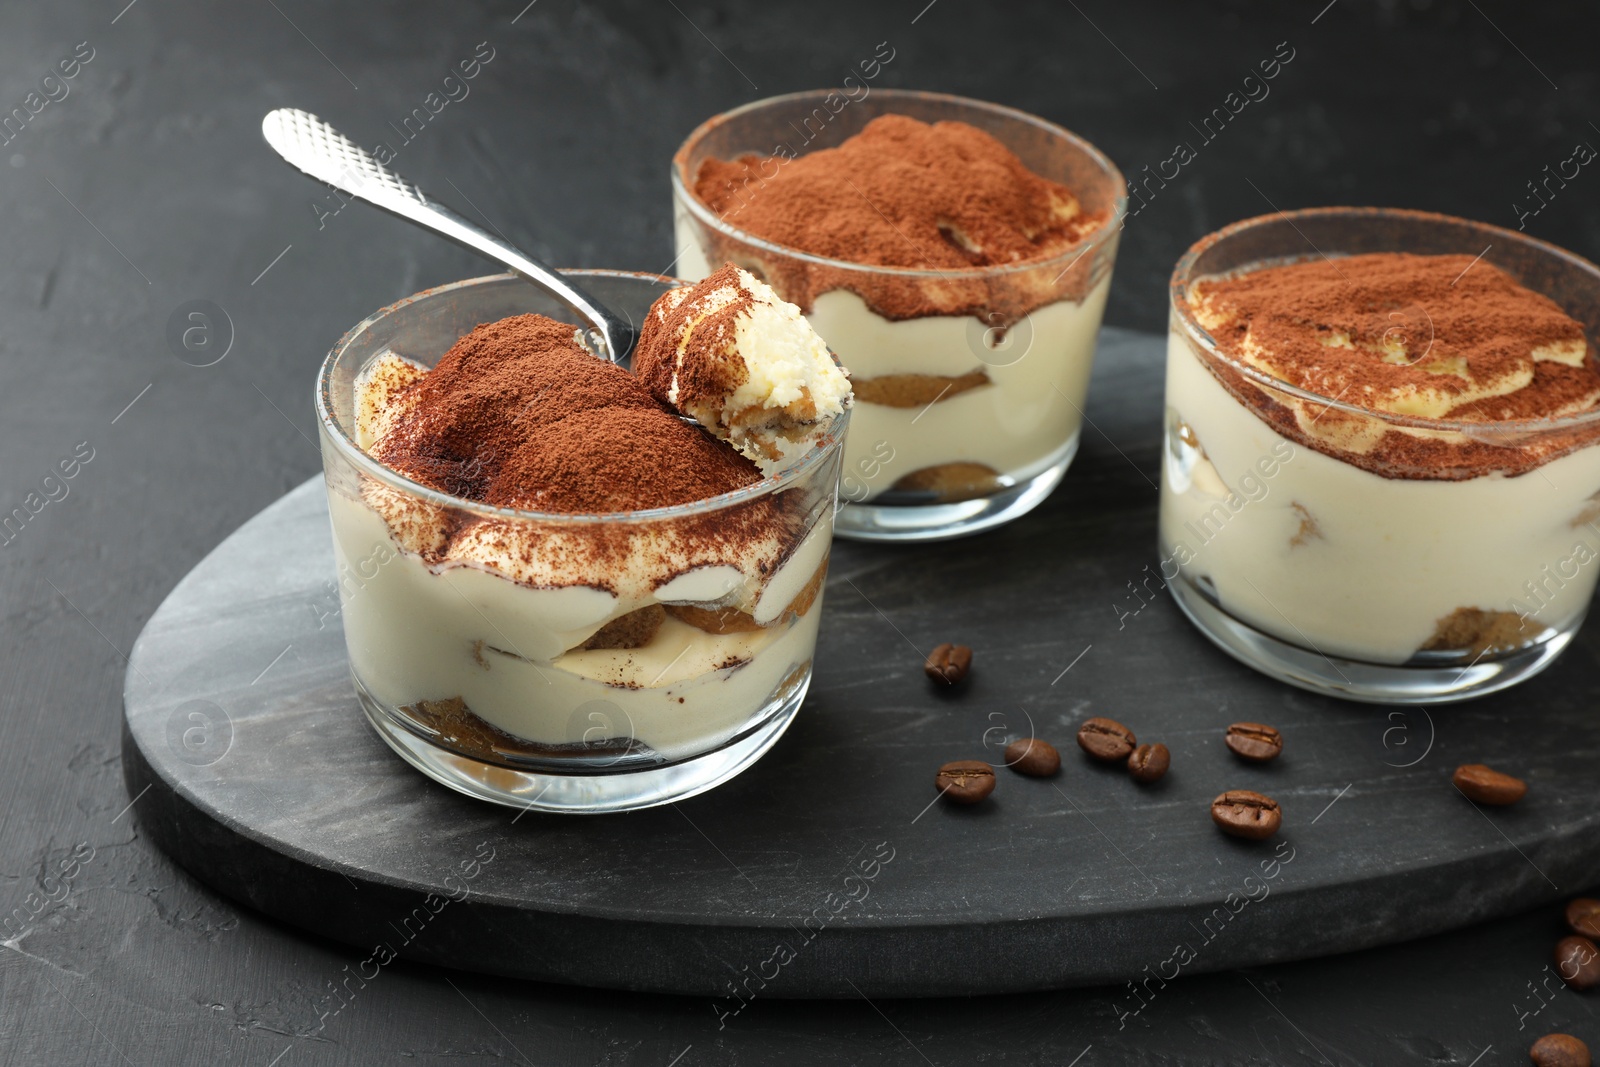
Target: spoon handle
x=327 y=155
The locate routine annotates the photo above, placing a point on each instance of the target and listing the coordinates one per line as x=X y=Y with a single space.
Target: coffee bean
x=966 y=781
x=1559 y=1050
x=948 y=664
x=1107 y=740
x=1241 y=813
x=1033 y=757
x=1149 y=763
x=1254 y=741
x=1488 y=786
x=1578 y=962
x=1583 y=917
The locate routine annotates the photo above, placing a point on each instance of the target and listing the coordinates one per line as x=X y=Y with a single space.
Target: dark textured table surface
x=146 y=186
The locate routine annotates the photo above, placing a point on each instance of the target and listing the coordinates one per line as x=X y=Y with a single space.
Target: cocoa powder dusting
x=517 y=414
x=902 y=193
x=716 y=369
x=1369 y=328
x=617 y=459
x=1448 y=322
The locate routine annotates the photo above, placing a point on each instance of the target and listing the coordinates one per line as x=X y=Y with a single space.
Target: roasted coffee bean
x=1033 y=757
x=966 y=781
x=1488 y=786
x=948 y=664
x=1241 y=813
x=1254 y=741
x=1149 y=763
x=1583 y=917
x=1578 y=962
x=1559 y=1050
x=1107 y=740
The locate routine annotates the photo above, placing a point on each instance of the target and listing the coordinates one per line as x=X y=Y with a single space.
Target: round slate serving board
x=824 y=870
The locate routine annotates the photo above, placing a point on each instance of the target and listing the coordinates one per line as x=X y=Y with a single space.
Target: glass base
x=1429 y=678
x=589 y=787
x=941 y=522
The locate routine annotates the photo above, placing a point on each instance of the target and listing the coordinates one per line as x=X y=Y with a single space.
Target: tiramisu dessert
x=598 y=622
x=695 y=353
x=942 y=271
x=1434 y=509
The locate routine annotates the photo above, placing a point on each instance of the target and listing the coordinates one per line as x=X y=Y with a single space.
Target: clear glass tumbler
x=1417 y=575
x=480 y=677
x=1015 y=343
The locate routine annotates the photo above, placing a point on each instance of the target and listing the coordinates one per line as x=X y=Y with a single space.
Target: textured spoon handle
x=329 y=156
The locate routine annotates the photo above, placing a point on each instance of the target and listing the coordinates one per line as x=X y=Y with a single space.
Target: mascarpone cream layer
x=425 y=632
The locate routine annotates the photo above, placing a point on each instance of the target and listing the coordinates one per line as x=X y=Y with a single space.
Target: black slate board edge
x=1581 y=874
x=355 y=908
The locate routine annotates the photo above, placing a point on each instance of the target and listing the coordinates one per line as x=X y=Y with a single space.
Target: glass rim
x=830 y=435
x=1183 y=277
x=1097 y=237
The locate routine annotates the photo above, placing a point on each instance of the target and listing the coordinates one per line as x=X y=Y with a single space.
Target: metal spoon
x=328 y=156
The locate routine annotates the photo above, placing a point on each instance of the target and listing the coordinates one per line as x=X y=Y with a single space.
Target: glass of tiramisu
x=955 y=254
x=563 y=586
x=1381 y=476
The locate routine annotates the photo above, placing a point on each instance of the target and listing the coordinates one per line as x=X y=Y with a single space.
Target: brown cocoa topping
x=518 y=415
x=905 y=194
x=719 y=370
x=1361 y=326
x=1360 y=329
x=901 y=193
